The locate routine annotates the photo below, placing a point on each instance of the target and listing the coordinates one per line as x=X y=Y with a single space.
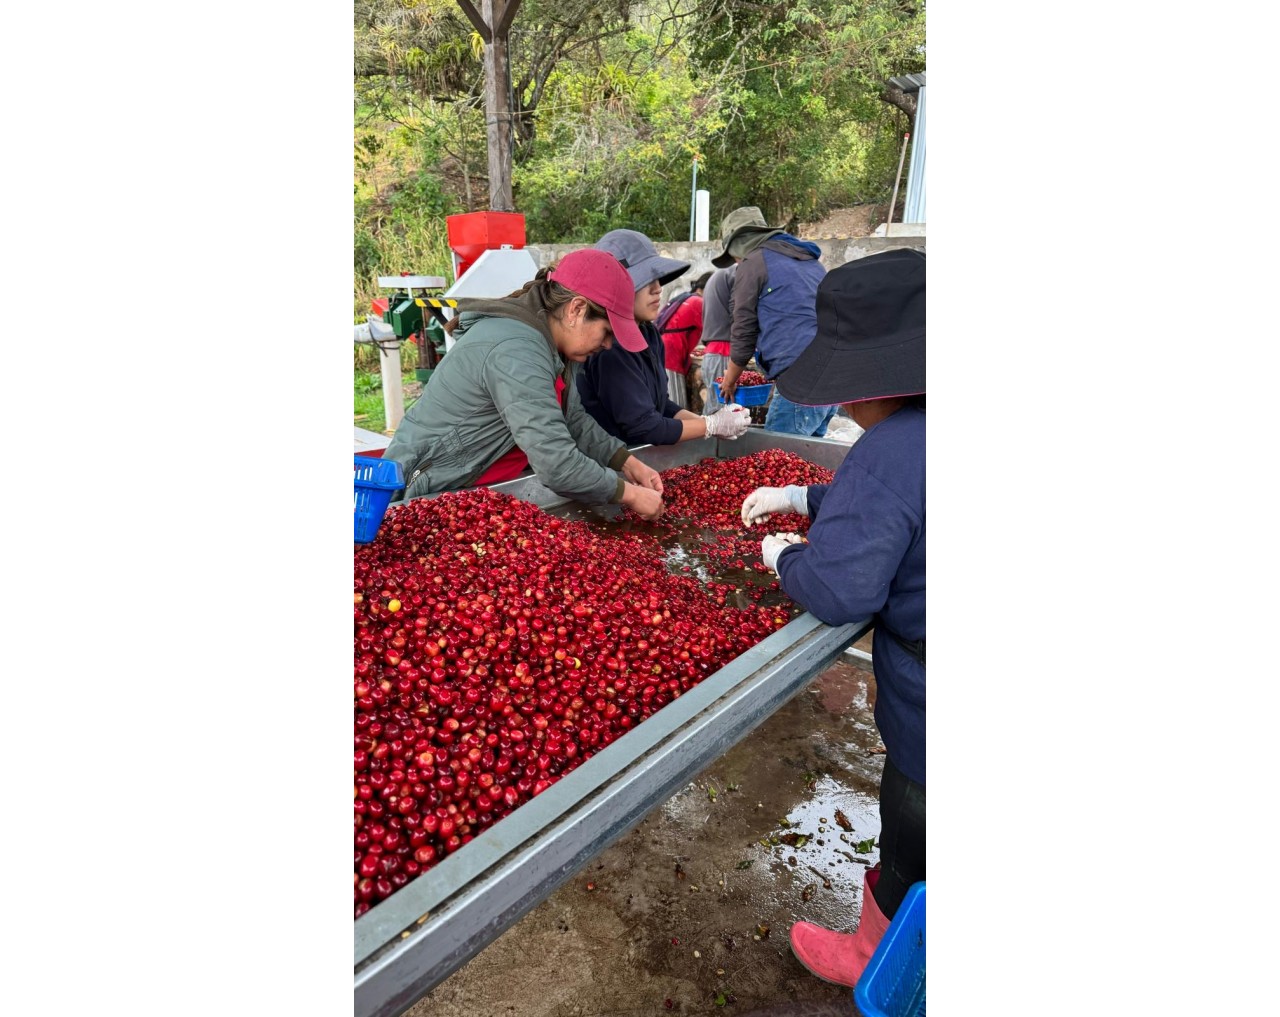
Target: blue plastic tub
x=376 y=481
x=748 y=395
x=893 y=983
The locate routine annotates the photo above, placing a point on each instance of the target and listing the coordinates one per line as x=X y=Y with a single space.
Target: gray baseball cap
x=640 y=258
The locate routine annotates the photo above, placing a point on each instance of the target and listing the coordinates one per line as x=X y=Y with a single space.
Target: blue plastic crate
x=747 y=395
x=893 y=983
x=376 y=481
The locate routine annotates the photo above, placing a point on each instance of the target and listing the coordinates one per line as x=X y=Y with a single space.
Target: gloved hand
x=729 y=422
x=773 y=545
x=763 y=502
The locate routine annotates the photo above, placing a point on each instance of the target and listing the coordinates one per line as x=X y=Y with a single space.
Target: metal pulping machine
x=489 y=260
x=397 y=319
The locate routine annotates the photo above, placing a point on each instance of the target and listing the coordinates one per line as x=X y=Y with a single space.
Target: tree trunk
x=497 y=105
x=465 y=158
x=905 y=101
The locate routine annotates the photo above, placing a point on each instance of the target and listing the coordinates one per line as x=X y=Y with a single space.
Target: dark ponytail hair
x=539 y=277
x=552 y=295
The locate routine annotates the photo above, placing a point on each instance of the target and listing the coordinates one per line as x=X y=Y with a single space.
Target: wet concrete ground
x=689 y=912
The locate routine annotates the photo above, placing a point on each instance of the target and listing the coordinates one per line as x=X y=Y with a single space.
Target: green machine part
x=435 y=335
x=403 y=315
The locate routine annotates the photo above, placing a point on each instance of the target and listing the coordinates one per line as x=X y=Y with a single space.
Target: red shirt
x=680 y=344
x=511 y=463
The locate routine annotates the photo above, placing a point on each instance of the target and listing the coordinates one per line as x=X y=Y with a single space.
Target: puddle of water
x=827 y=855
x=678 y=557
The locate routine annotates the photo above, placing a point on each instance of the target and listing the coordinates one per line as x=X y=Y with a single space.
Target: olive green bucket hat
x=748 y=219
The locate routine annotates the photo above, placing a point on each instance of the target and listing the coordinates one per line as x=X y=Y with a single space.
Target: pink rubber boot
x=837 y=956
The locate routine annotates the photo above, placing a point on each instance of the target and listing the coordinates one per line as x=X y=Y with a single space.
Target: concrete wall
x=835 y=251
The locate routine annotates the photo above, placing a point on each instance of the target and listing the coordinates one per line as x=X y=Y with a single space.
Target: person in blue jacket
x=773 y=314
x=625 y=392
x=865 y=556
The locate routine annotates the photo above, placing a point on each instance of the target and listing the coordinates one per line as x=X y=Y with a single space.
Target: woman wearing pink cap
x=504 y=397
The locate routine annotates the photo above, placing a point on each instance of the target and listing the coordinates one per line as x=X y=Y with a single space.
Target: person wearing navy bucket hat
x=865 y=555
x=503 y=399
x=625 y=390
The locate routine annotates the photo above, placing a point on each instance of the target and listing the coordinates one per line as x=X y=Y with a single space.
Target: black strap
x=914 y=647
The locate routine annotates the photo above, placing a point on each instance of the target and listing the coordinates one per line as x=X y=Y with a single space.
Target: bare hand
x=644 y=476
x=643 y=501
x=729 y=383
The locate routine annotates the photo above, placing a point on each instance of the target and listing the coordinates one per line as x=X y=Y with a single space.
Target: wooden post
x=493 y=22
x=497 y=105
x=896 y=180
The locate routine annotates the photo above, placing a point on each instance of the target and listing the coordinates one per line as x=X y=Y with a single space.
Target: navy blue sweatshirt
x=866 y=555
x=626 y=393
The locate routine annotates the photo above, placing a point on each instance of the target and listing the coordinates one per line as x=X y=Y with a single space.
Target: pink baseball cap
x=600 y=277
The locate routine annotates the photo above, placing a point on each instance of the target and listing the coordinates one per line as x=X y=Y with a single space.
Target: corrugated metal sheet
x=914 y=210
x=909 y=82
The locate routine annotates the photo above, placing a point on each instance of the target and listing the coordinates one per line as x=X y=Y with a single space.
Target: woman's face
x=648 y=301
x=577 y=336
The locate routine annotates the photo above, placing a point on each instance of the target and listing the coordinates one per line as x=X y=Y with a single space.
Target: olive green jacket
x=494 y=389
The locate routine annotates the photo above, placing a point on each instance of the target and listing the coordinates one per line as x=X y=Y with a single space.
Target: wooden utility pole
x=896 y=180
x=493 y=22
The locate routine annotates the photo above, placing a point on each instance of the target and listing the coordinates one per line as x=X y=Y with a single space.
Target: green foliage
x=806 y=128
x=614 y=146
x=401 y=228
x=368 y=364
x=368 y=253
x=369 y=405
x=421 y=195
x=781 y=104
x=371 y=411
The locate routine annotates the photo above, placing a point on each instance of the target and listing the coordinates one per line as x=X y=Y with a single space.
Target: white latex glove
x=773 y=545
x=729 y=422
x=763 y=502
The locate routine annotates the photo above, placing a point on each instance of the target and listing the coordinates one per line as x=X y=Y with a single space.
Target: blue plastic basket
x=747 y=395
x=376 y=481
x=893 y=983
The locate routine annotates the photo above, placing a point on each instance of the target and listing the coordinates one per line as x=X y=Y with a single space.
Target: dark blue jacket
x=775 y=296
x=626 y=393
x=866 y=555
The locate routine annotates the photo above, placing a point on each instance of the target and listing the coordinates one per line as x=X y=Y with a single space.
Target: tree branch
x=508 y=15
x=473 y=15
x=905 y=101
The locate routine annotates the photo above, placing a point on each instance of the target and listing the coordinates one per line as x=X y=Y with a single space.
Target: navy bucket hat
x=870 y=340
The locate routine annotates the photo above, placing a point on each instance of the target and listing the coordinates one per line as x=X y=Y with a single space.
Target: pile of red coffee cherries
x=498 y=647
x=710 y=493
x=747 y=378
